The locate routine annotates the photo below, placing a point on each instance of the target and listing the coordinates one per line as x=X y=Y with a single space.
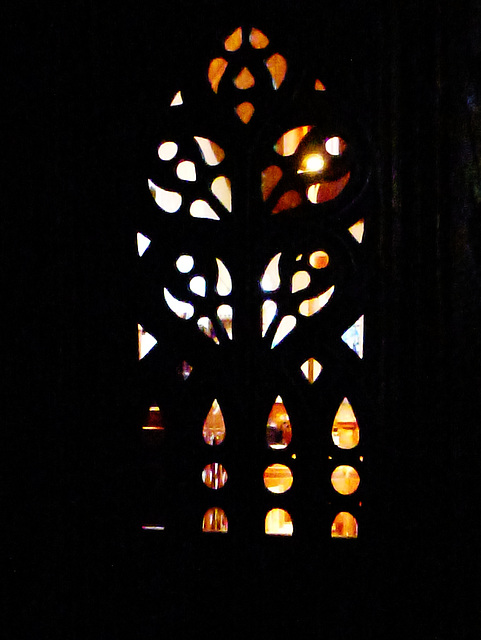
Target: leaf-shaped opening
x=279 y=430
x=213 y=430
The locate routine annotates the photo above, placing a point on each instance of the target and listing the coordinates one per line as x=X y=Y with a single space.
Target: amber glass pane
x=258 y=40
x=344 y=526
x=214 y=476
x=289 y=141
x=279 y=430
x=318 y=86
x=345 y=430
x=245 y=111
x=269 y=178
x=288 y=200
x=216 y=71
x=325 y=191
x=234 y=41
x=279 y=523
x=277 y=66
x=215 y=521
x=213 y=430
x=319 y=259
x=345 y=479
x=211 y=152
x=278 y=478
x=245 y=79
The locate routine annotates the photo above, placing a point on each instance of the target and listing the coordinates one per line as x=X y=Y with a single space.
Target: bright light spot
x=224 y=281
x=333 y=146
x=185 y=263
x=142 y=243
x=167 y=150
x=312 y=164
x=286 y=325
x=186 y=171
x=312 y=192
x=198 y=286
x=177 y=100
x=181 y=309
x=152 y=527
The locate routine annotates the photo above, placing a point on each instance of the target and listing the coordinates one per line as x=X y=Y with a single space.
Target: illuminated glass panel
x=311 y=369
x=245 y=79
x=345 y=479
x=213 y=430
x=278 y=478
x=279 y=523
x=289 y=141
x=345 y=430
x=215 y=521
x=214 y=476
x=234 y=41
x=279 y=430
x=277 y=66
x=216 y=71
x=344 y=526
x=245 y=111
x=257 y=39
x=146 y=342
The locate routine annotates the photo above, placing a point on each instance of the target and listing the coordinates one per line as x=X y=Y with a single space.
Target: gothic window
x=252 y=301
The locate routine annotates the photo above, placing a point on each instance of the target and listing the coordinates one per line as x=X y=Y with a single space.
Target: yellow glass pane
x=234 y=41
x=214 y=476
x=279 y=430
x=289 y=200
x=245 y=79
x=344 y=526
x=319 y=259
x=216 y=71
x=289 y=141
x=345 y=430
x=313 y=305
x=278 y=478
x=311 y=369
x=245 y=111
x=215 y=521
x=258 y=40
x=279 y=523
x=277 y=66
x=345 y=479
x=213 y=430
x=221 y=188
x=269 y=178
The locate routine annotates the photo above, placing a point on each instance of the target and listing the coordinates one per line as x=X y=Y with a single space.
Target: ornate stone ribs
x=251 y=303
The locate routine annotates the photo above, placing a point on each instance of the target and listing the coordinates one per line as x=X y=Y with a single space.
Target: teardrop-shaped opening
x=344 y=526
x=234 y=41
x=213 y=430
x=354 y=336
x=167 y=150
x=186 y=171
x=201 y=209
x=215 y=521
x=286 y=325
x=289 y=141
x=269 y=311
x=311 y=369
x=289 y=200
x=169 y=201
x=270 y=280
x=143 y=243
x=357 y=230
x=269 y=179
x=206 y=325
x=300 y=280
x=278 y=478
x=216 y=71
x=198 y=285
x=214 y=476
x=245 y=111
x=245 y=79
x=211 y=152
x=314 y=305
x=345 y=430
x=279 y=523
x=224 y=313
x=345 y=479
x=257 y=39
x=224 y=281
x=183 y=310
x=277 y=66
x=279 y=430
x=221 y=188
x=146 y=341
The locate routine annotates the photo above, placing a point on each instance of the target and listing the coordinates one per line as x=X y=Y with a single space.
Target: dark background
x=83 y=84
